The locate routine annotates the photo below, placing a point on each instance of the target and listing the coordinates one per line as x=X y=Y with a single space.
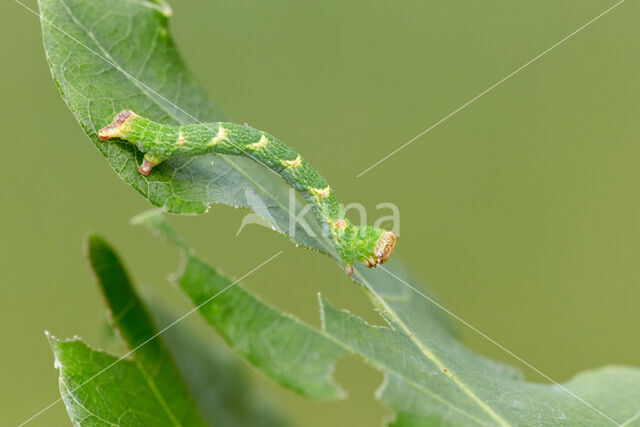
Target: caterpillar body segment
x=158 y=142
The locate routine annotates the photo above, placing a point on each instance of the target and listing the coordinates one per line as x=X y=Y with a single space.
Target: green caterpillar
x=158 y=142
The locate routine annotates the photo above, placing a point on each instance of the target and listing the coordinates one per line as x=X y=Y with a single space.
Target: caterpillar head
x=380 y=253
x=118 y=126
x=382 y=249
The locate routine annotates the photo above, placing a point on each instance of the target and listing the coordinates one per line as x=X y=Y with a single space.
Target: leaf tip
x=149 y=217
x=53 y=340
x=324 y=306
x=97 y=250
x=164 y=8
x=50 y=338
x=54 y=343
x=93 y=241
x=156 y=222
x=321 y=302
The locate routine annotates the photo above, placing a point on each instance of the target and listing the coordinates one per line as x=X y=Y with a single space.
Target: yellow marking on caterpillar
x=292 y=163
x=221 y=136
x=320 y=192
x=260 y=144
x=180 y=139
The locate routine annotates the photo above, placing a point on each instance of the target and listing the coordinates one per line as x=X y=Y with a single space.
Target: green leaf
x=279 y=345
x=110 y=55
x=146 y=389
x=433 y=379
x=122 y=396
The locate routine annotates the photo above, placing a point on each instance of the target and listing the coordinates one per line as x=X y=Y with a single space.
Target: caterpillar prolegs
x=158 y=142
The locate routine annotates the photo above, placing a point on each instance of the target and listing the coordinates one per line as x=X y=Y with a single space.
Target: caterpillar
x=158 y=142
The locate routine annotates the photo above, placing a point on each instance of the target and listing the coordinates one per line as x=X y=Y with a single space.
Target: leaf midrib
x=156 y=392
x=630 y=420
x=75 y=399
x=427 y=353
x=387 y=369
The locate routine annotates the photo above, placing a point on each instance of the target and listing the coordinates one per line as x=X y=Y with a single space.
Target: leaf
x=433 y=379
x=146 y=389
x=110 y=55
x=279 y=345
x=123 y=396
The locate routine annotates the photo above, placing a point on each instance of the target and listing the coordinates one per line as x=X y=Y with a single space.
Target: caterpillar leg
x=118 y=128
x=148 y=163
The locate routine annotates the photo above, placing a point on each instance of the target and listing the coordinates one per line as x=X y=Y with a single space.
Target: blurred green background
x=521 y=211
